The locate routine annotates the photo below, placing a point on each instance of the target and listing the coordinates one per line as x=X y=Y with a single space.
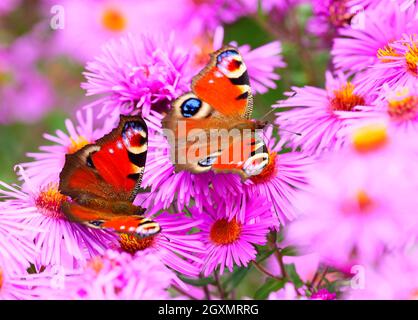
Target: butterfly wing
x=111 y=168
x=103 y=179
x=106 y=218
x=221 y=99
x=224 y=84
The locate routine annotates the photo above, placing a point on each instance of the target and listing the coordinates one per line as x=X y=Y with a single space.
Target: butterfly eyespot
x=89 y=162
x=209 y=161
x=134 y=137
x=227 y=54
x=256 y=164
x=147 y=228
x=96 y=223
x=229 y=63
x=190 y=107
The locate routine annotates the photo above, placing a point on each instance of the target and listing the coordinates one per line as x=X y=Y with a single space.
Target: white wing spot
x=119 y=145
x=111 y=151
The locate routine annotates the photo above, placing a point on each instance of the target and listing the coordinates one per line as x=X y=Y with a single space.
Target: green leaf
x=293 y=275
x=264 y=254
x=290 y=251
x=235 y=279
x=271 y=285
x=201 y=282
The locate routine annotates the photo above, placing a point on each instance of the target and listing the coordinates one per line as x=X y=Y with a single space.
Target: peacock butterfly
x=103 y=179
x=220 y=99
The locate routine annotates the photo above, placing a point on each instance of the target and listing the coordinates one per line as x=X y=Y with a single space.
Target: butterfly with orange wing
x=221 y=99
x=103 y=179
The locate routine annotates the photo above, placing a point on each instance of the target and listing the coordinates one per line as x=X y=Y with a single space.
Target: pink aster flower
x=229 y=241
x=7 y=6
x=354 y=211
x=323 y=294
x=16 y=246
x=394 y=278
x=279 y=6
x=105 y=20
x=306 y=265
x=137 y=74
x=57 y=240
x=398 y=108
x=49 y=162
x=196 y=18
x=398 y=67
x=25 y=94
x=319 y=114
x=329 y=16
x=23 y=286
x=284 y=175
x=359 y=48
x=120 y=276
x=174 y=246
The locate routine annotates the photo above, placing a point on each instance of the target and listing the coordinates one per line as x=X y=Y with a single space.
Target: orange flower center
x=133 y=244
x=364 y=202
x=96 y=264
x=339 y=15
x=205 y=45
x=225 y=232
x=49 y=202
x=370 y=138
x=77 y=144
x=113 y=20
x=345 y=99
x=268 y=172
x=1 y=278
x=411 y=57
x=405 y=109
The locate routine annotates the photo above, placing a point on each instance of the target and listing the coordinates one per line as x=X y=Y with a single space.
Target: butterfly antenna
x=146 y=198
x=293 y=132
x=268 y=113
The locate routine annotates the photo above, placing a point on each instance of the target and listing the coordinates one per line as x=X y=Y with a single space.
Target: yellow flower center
x=5 y=78
x=1 y=278
x=405 y=109
x=133 y=244
x=113 y=20
x=345 y=99
x=49 y=202
x=386 y=53
x=370 y=138
x=225 y=232
x=411 y=57
x=268 y=172
x=77 y=144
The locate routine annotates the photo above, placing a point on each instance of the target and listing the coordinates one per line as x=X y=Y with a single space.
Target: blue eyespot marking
x=226 y=54
x=190 y=107
x=208 y=162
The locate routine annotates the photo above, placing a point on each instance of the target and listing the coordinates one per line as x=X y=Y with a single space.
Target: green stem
x=219 y=285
